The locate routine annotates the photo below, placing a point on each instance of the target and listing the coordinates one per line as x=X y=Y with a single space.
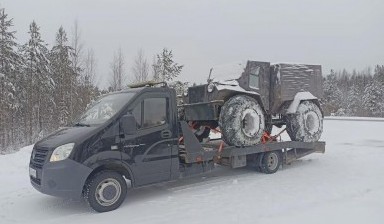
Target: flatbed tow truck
x=135 y=134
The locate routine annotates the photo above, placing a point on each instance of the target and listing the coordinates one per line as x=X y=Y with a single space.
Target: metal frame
x=195 y=152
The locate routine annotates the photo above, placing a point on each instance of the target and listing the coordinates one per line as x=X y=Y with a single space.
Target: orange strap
x=266 y=137
x=221 y=146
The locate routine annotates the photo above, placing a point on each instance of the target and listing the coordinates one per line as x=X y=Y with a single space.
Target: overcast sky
x=334 y=33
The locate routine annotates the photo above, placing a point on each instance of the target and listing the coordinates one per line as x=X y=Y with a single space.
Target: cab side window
x=136 y=112
x=254 y=78
x=150 y=112
x=155 y=112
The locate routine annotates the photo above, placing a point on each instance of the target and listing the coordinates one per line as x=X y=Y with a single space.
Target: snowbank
x=345 y=185
x=380 y=119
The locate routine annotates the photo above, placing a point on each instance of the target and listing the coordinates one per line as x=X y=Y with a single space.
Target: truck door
x=148 y=152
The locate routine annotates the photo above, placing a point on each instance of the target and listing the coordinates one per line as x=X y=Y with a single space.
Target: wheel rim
x=273 y=161
x=108 y=192
x=250 y=123
x=312 y=123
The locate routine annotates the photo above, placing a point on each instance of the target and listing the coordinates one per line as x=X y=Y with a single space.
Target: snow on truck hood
x=224 y=76
x=232 y=85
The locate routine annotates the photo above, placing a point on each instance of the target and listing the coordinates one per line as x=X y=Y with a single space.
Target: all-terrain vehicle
x=246 y=99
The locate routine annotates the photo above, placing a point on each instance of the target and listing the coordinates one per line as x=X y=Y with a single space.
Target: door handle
x=131 y=146
x=166 y=133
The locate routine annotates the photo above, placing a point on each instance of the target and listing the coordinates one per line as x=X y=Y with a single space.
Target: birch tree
x=117 y=70
x=140 y=68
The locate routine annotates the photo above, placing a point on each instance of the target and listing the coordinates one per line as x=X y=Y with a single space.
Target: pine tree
x=10 y=62
x=379 y=73
x=354 y=101
x=332 y=94
x=373 y=98
x=38 y=84
x=64 y=76
x=165 y=69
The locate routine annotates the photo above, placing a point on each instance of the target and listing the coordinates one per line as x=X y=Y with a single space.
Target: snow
x=355 y=118
x=236 y=109
x=252 y=122
x=308 y=122
x=345 y=185
x=232 y=85
x=298 y=98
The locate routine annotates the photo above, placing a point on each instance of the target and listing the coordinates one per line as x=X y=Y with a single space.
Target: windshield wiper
x=78 y=124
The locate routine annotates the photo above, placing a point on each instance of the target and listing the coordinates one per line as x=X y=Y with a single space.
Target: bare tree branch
x=117 y=67
x=140 y=68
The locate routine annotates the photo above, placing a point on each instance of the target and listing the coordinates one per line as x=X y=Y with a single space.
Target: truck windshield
x=104 y=108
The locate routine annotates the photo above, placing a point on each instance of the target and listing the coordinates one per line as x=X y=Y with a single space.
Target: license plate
x=32 y=172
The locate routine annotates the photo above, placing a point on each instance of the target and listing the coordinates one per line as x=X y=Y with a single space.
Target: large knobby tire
x=105 y=191
x=241 y=121
x=306 y=125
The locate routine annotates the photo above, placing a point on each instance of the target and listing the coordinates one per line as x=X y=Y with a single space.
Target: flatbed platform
x=193 y=151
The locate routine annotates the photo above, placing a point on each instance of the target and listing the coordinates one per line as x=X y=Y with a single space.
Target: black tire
x=202 y=132
x=241 y=121
x=271 y=162
x=268 y=124
x=113 y=188
x=306 y=125
x=257 y=162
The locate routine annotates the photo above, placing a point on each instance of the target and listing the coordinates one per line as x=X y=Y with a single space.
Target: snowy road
x=345 y=185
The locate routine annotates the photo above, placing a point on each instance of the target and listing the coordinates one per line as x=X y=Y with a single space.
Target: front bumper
x=64 y=178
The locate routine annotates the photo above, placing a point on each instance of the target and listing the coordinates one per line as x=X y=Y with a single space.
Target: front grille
x=36 y=180
x=196 y=94
x=39 y=156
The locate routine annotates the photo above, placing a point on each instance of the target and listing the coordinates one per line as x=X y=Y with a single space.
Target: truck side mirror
x=128 y=124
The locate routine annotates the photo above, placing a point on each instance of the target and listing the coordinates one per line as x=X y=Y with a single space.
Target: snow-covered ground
x=345 y=185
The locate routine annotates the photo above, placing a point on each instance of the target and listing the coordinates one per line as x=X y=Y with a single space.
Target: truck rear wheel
x=105 y=191
x=306 y=125
x=241 y=121
x=271 y=162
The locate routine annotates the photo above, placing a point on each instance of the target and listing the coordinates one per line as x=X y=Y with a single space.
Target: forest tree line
x=359 y=93
x=45 y=87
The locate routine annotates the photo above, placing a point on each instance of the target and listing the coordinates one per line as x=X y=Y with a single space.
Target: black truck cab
x=132 y=132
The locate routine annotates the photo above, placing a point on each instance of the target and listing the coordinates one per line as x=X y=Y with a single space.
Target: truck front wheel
x=105 y=191
x=242 y=121
x=306 y=125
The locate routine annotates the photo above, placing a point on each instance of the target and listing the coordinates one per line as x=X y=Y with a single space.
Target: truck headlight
x=62 y=152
